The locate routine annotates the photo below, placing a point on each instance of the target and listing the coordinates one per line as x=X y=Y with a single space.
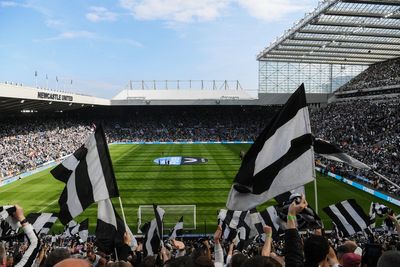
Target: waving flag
x=281 y=158
x=88 y=175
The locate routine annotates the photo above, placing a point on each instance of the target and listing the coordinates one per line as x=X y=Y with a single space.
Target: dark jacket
x=293 y=249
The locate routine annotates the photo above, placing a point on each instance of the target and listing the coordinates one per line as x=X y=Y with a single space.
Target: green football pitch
x=143 y=182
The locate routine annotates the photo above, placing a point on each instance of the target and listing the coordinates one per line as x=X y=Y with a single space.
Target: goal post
x=171 y=216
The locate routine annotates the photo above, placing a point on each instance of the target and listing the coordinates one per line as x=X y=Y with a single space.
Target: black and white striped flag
x=372 y=215
x=152 y=240
x=42 y=222
x=84 y=230
x=232 y=218
x=71 y=229
x=110 y=228
x=177 y=230
x=8 y=224
x=235 y=223
x=377 y=209
x=269 y=217
x=331 y=152
x=6 y=211
x=159 y=214
x=348 y=216
x=281 y=158
x=228 y=234
x=88 y=175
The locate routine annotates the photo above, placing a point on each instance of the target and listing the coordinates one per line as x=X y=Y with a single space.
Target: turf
x=142 y=182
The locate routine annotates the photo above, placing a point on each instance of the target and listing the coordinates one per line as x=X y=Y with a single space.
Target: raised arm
x=28 y=259
x=293 y=245
x=266 y=250
x=395 y=222
x=219 y=255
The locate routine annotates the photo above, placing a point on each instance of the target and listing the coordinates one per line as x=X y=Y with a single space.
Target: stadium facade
x=18 y=99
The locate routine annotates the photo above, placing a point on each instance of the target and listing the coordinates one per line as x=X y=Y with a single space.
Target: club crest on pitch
x=180 y=161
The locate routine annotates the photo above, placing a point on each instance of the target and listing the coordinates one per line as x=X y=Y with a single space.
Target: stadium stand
x=366 y=129
x=25 y=146
x=49 y=138
x=369 y=131
x=376 y=75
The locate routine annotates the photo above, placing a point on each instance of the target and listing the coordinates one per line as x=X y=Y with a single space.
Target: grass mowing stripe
x=142 y=182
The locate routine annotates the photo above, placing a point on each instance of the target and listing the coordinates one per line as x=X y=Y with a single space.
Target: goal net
x=171 y=216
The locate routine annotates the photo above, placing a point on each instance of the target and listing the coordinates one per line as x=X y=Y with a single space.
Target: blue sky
x=101 y=45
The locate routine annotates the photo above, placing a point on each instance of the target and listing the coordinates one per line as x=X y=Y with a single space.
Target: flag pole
x=123 y=217
x=116 y=254
x=316 y=194
x=122 y=210
x=162 y=234
x=386 y=179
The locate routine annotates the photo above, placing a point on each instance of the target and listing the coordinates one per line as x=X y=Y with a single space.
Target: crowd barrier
x=362 y=187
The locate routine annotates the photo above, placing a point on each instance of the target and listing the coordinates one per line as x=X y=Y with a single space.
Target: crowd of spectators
x=368 y=130
x=377 y=75
x=26 y=145
x=293 y=248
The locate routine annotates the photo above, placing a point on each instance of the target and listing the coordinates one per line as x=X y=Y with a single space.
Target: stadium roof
x=17 y=98
x=361 y=32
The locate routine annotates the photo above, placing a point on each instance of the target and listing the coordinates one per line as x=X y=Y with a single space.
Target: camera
x=295 y=197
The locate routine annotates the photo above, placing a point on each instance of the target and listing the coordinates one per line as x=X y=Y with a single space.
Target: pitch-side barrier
x=362 y=187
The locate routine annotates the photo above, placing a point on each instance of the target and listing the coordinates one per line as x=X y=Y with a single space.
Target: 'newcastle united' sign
x=53 y=96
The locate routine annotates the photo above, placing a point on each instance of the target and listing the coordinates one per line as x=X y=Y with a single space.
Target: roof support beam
x=342 y=40
x=349 y=33
x=314 y=61
x=328 y=49
x=358 y=14
x=349 y=24
x=331 y=54
x=374 y=2
x=322 y=58
x=364 y=46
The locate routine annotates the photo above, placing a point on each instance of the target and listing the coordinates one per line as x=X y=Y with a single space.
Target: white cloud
x=54 y=23
x=76 y=34
x=125 y=41
x=183 y=11
x=274 y=10
x=175 y=10
x=69 y=35
x=98 y=13
x=8 y=4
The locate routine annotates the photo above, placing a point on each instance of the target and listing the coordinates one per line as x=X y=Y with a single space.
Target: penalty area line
x=48 y=205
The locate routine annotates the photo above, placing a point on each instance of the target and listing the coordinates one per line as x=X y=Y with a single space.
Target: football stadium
x=209 y=172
